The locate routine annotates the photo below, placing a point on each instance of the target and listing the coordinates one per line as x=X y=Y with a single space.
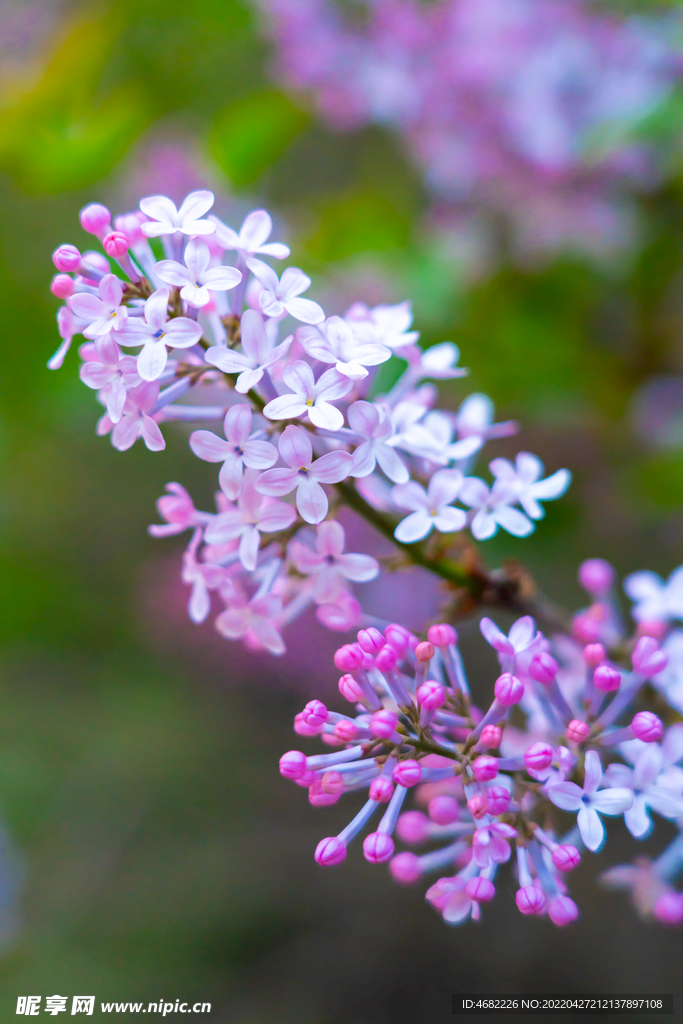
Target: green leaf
x=250 y=134
x=359 y=222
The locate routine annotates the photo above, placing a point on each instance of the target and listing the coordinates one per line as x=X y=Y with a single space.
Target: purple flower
x=252 y=237
x=431 y=508
x=102 y=315
x=335 y=342
x=494 y=509
x=591 y=802
x=177 y=508
x=374 y=425
x=304 y=474
x=310 y=397
x=257 y=354
x=647 y=790
x=254 y=515
x=195 y=280
x=254 y=621
x=278 y=297
x=112 y=374
x=329 y=566
x=490 y=845
x=524 y=480
x=521 y=636
x=236 y=451
x=136 y=421
x=167 y=220
x=656 y=601
x=155 y=332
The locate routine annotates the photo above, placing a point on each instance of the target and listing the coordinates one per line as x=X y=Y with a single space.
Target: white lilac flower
x=104 y=314
x=655 y=600
x=440 y=362
x=310 y=397
x=384 y=325
x=280 y=296
x=136 y=420
x=591 y=802
x=304 y=474
x=474 y=418
x=431 y=508
x=155 y=331
x=258 y=353
x=494 y=509
x=252 y=238
x=524 y=479
x=111 y=373
x=648 y=792
x=235 y=452
x=329 y=567
x=195 y=279
x=521 y=636
x=167 y=220
x=432 y=439
x=373 y=424
x=334 y=342
x=670 y=680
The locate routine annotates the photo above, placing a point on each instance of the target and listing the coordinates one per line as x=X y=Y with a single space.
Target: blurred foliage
x=249 y=136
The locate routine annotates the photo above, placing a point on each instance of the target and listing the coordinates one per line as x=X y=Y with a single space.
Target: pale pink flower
x=373 y=424
x=590 y=800
x=112 y=374
x=278 y=297
x=68 y=324
x=329 y=566
x=136 y=421
x=177 y=508
x=235 y=452
x=383 y=325
x=334 y=342
x=203 y=577
x=195 y=279
x=252 y=238
x=155 y=332
x=254 y=515
x=310 y=397
x=304 y=474
x=431 y=508
x=255 y=621
x=524 y=479
x=167 y=220
x=494 y=509
x=257 y=354
x=521 y=636
x=490 y=844
x=104 y=314
x=450 y=898
x=648 y=792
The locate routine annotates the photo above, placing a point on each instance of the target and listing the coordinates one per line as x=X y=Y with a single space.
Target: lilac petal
x=363 y=460
x=285 y=407
x=299 y=377
x=522 y=633
x=306 y=310
x=221 y=279
x=328 y=585
x=499 y=850
x=331 y=468
x=87 y=307
x=591 y=828
x=332 y=385
x=159 y=208
x=226 y=236
x=593 y=776
x=483 y=525
x=156 y=309
x=208 y=446
x=474 y=492
x=643 y=586
x=255 y=230
x=111 y=290
x=529 y=467
x=450 y=520
x=612 y=801
x=230 y=477
x=198 y=227
x=566 y=795
x=293 y=283
x=325 y=416
x=259 y=454
x=126 y=433
x=270 y=305
x=619 y=775
x=648 y=766
x=391 y=463
x=196 y=204
x=311 y=499
x=247 y=380
x=359 y=568
x=253 y=336
x=264 y=274
x=56 y=361
x=171 y=272
x=316 y=346
x=275 y=249
x=553 y=486
x=199 y=604
x=277 y=482
x=226 y=526
x=145 y=395
x=249 y=545
x=331 y=538
x=275 y=517
x=233 y=623
x=493 y=636
x=182 y=332
x=636 y=818
x=665 y=801
x=152 y=360
x=269 y=636
x=514 y=521
x=414 y=527
x=95 y=375
x=411 y=496
x=237 y=423
x=227 y=360
x=306 y=560
x=296 y=448
x=277 y=353
x=672 y=744
x=363 y=418
x=151 y=435
x=444 y=486
x=116 y=399
x=197 y=256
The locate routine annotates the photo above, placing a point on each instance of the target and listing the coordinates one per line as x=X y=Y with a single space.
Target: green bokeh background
x=155 y=851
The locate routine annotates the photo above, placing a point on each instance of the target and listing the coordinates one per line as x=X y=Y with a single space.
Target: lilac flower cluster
x=489 y=786
x=298 y=423
x=526 y=107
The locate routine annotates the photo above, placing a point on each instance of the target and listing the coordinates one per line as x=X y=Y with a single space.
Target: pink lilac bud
x=413 y=827
x=302 y=727
x=562 y=910
x=485 y=768
x=115 y=244
x=508 y=689
x=585 y=628
x=398 y=637
x=566 y=857
x=480 y=889
x=95 y=219
x=668 y=908
x=424 y=651
x=349 y=688
x=330 y=851
x=387 y=658
x=407 y=773
x=346 y=731
x=62 y=286
x=378 y=847
x=332 y=782
x=596 y=576
x=66 y=258
x=654 y=629
x=478 y=805
x=606 y=678
x=129 y=225
x=431 y=695
x=577 y=731
x=543 y=668
x=383 y=724
x=594 y=654
x=491 y=736
x=405 y=868
x=307 y=779
x=498 y=799
x=539 y=756
x=381 y=789
x=293 y=764
x=371 y=640
x=648 y=658
x=442 y=635
x=315 y=713
x=319 y=797
x=530 y=899
x=444 y=809
x=331 y=740
x=348 y=658
x=647 y=727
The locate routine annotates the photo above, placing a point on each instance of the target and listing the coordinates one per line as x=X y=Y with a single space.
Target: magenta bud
x=346 y=731
x=480 y=889
x=115 y=244
x=530 y=899
x=303 y=728
x=594 y=654
x=348 y=658
x=329 y=852
x=315 y=713
x=332 y=782
x=478 y=805
x=647 y=727
x=405 y=868
x=66 y=258
x=378 y=847
x=398 y=637
x=562 y=910
x=485 y=768
x=586 y=628
x=383 y=724
x=596 y=576
x=349 y=688
x=508 y=689
x=129 y=225
x=381 y=789
x=431 y=695
x=292 y=764
x=442 y=635
x=443 y=810
x=62 y=286
x=566 y=857
x=539 y=756
x=648 y=658
x=371 y=640
x=425 y=651
x=95 y=218
x=413 y=827
x=491 y=736
x=307 y=779
x=386 y=658
x=319 y=797
x=543 y=668
x=407 y=773
x=606 y=678
x=668 y=908
x=577 y=731
x=498 y=799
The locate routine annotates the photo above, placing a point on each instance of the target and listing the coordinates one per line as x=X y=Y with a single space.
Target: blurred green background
x=151 y=849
